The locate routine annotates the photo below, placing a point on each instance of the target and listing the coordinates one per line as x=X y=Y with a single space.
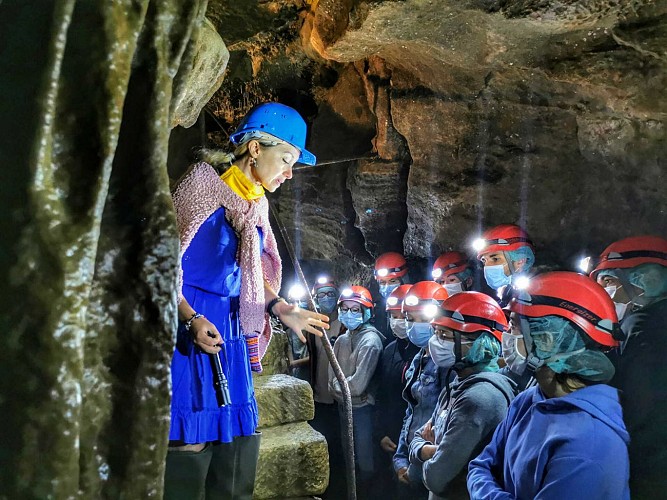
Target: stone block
x=283 y=399
x=293 y=462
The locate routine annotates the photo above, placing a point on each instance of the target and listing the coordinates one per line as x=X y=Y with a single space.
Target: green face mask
x=652 y=278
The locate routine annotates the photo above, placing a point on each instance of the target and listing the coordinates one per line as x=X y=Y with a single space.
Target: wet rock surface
x=293 y=462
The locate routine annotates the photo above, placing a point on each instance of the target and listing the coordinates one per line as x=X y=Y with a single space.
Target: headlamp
x=322 y=280
x=347 y=292
x=392 y=301
x=430 y=310
x=522 y=282
x=296 y=292
x=479 y=244
x=584 y=264
x=436 y=273
x=382 y=272
x=411 y=300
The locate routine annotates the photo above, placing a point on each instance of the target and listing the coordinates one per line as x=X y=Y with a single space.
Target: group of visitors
x=531 y=386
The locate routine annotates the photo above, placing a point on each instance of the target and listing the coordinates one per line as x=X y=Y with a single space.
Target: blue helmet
x=280 y=121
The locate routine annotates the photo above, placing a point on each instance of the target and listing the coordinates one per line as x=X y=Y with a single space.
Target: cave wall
x=89 y=247
x=463 y=115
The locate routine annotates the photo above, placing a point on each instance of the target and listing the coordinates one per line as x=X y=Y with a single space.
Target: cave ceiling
x=446 y=117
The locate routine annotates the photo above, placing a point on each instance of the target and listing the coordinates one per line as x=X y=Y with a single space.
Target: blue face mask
x=442 y=352
x=351 y=320
x=385 y=290
x=419 y=333
x=495 y=276
x=327 y=304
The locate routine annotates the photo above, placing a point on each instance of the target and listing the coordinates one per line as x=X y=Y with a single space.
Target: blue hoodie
x=575 y=446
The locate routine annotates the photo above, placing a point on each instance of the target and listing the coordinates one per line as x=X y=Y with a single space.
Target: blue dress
x=212 y=285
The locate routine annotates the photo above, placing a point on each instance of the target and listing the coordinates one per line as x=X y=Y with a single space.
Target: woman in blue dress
x=231 y=273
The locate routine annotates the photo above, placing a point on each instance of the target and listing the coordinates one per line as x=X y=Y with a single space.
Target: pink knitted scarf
x=200 y=193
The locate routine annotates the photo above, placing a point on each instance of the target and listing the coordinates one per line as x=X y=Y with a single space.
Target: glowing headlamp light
x=436 y=273
x=584 y=264
x=322 y=280
x=347 y=292
x=430 y=310
x=296 y=292
x=522 y=282
x=392 y=301
x=411 y=300
x=479 y=244
x=382 y=272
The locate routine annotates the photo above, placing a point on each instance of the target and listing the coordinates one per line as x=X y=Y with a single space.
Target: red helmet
x=323 y=282
x=357 y=294
x=501 y=239
x=572 y=296
x=632 y=252
x=390 y=265
x=423 y=294
x=395 y=299
x=449 y=263
x=471 y=312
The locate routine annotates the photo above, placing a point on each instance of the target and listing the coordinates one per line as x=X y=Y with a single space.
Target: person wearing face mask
x=390 y=406
x=467 y=333
x=564 y=438
x=424 y=380
x=514 y=356
x=391 y=271
x=358 y=352
x=453 y=271
x=640 y=263
x=507 y=254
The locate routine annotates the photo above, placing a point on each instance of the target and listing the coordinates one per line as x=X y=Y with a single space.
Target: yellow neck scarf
x=241 y=185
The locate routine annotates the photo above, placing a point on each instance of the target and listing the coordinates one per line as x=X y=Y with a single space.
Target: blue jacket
x=425 y=381
x=573 y=447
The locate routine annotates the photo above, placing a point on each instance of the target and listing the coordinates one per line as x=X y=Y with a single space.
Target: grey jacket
x=358 y=353
x=463 y=423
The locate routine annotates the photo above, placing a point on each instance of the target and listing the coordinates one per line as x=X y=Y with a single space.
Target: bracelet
x=188 y=323
x=272 y=303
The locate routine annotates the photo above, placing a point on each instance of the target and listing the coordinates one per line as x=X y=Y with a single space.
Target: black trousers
x=221 y=471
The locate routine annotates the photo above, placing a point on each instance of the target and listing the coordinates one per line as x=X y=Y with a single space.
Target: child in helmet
x=453 y=271
x=424 y=379
x=358 y=352
x=565 y=438
x=231 y=272
x=507 y=254
x=396 y=359
x=467 y=333
x=391 y=271
x=640 y=265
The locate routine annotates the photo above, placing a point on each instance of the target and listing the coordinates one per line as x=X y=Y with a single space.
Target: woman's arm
x=204 y=333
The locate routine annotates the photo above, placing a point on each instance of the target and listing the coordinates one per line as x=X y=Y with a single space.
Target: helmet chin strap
x=459 y=363
x=532 y=361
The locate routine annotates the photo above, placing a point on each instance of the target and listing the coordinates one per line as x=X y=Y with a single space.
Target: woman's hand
x=299 y=319
x=205 y=335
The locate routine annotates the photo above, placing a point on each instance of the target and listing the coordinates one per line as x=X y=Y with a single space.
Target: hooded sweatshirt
x=574 y=446
x=358 y=353
x=463 y=422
